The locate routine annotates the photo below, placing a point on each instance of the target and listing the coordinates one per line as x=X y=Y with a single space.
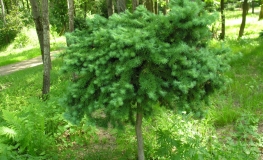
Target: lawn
x=231 y=129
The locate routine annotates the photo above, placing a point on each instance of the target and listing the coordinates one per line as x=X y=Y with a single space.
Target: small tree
x=130 y=62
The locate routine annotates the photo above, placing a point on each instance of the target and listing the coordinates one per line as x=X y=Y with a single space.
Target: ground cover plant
x=231 y=128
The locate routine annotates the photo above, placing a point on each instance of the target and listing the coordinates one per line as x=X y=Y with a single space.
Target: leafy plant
x=25 y=132
x=130 y=62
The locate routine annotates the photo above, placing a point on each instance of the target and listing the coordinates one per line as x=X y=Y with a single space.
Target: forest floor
x=8 y=69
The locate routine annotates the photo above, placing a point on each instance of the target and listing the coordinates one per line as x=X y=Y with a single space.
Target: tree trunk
x=85 y=10
x=139 y=136
x=261 y=12
x=38 y=22
x=110 y=7
x=244 y=16
x=71 y=15
x=3 y=11
x=156 y=9
x=135 y=4
x=27 y=4
x=223 y=23
x=121 y=5
x=149 y=5
x=165 y=10
x=46 y=40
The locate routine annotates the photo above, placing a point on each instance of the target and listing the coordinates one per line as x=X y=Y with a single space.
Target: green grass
x=20 y=56
x=12 y=54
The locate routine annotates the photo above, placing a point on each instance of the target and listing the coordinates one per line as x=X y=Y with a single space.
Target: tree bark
x=27 y=4
x=261 y=12
x=46 y=40
x=121 y=5
x=149 y=5
x=110 y=7
x=135 y=4
x=223 y=23
x=3 y=11
x=38 y=22
x=165 y=11
x=71 y=15
x=244 y=16
x=139 y=136
x=85 y=10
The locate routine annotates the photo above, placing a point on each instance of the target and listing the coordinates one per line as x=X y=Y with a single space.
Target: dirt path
x=5 y=70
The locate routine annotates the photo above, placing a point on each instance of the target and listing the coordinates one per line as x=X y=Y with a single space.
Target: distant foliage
x=142 y=59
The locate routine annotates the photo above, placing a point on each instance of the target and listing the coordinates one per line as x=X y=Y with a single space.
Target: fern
x=24 y=131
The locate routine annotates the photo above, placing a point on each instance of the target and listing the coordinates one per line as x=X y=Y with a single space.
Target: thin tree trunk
x=223 y=23
x=71 y=15
x=149 y=5
x=3 y=11
x=261 y=13
x=38 y=22
x=46 y=40
x=139 y=136
x=121 y=5
x=135 y=4
x=165 y=11
x=85 y=10
x=110 y=7
x=156 y=10
x=27 y=4
x=6 y=7
x=244 y=16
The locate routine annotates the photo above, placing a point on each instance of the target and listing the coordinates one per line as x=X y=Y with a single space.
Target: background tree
x=261 y=11
x=38 y=24
x=110 y=7
x=223 y=20
x=71 y=15
x=3 y=12
x=46 y=44
x=129 y=63
x=244 y=16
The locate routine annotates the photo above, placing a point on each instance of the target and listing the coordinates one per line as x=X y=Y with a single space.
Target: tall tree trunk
x=121 y=5
x=261 y=12
x=156 y=9
x=27 y=4
x=138 y=128
x=3 y=11
x=85 y=10
x=71 y=15
x=165 y=11
x=110 y=7
x=135 y=3
x=244 y=16
x=46 y=40
x=223 y=23
x=23 y=4
x=6 y=7
x=38 y=22
x=149 y=5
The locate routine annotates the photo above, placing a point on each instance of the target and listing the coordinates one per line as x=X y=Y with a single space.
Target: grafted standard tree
x=132 y=61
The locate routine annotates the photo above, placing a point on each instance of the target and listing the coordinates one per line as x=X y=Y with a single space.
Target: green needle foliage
x=141 y=59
